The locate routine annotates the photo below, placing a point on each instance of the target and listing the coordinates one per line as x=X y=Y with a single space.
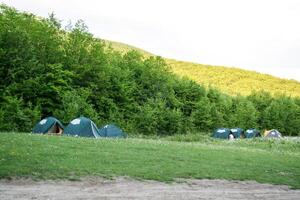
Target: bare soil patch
x=126 y=188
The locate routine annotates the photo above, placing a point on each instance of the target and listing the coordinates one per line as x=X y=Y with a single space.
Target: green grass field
x=51 y=157
x=233 y=81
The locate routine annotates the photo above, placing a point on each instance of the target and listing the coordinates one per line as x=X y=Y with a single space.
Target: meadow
x=163 y=159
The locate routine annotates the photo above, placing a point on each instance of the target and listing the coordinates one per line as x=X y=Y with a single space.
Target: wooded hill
x=232 y=81
x=66 y=72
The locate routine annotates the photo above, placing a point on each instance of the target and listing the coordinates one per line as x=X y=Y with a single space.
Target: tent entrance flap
x=55 y=129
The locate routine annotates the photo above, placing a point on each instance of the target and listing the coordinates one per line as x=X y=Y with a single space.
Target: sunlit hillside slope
x=232 y=81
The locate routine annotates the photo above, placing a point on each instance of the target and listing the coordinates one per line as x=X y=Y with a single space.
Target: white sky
x=260 y=35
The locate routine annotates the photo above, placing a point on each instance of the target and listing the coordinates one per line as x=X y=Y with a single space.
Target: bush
x=75 y=104
x=15 y=116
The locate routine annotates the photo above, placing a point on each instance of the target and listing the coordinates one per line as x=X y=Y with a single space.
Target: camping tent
x=49 y=125
x=272 y=133
x=251 y=133
x=82 y=127
x=222 y=133
x=111 y=130
x=237 y=132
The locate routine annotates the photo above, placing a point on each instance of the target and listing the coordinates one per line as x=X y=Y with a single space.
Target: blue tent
x=222 y=133
x=237 y=132
x=82 y=127
x=48 y=125
x=251 y=133
x=111 y=130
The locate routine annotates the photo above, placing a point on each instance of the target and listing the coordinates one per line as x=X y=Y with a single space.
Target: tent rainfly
x=111 y=130
x=222 y=133
x=273 y=134
x=82 y=127
x=251 y=133
x=238 y=132
x=49 y=125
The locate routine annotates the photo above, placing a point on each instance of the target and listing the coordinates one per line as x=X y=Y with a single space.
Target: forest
x=50 y=70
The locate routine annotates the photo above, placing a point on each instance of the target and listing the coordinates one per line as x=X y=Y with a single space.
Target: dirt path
x=125 y=188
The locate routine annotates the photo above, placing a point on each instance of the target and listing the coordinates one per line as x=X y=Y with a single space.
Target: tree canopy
x=67 y=72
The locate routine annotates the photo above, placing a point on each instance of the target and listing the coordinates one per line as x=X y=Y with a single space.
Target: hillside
x=232 y=81
x=121 y=47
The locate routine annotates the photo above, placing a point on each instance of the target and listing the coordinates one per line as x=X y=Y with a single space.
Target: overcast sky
x=260 y=35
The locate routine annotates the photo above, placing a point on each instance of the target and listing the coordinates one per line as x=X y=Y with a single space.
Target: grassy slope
x=38 y=156
x=232 y=81
x=125 y=47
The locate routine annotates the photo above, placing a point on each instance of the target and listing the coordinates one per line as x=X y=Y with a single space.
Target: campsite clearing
x=51 y=157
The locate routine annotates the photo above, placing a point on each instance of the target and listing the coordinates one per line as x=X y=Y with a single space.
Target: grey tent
x=111 y=130
x=82 y=127
x=49 y=125
x=273 y=134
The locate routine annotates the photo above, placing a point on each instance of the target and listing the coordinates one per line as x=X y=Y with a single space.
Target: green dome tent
x=237 y=132
x=251 y=133
x=273 y=134
x=82 y=127
x=111 y=130
x=222 y=133
x=48 y=125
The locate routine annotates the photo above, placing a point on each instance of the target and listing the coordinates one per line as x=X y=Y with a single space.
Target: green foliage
x=47 y=70
x=74 y=104
x=202 y=115
x=261 y=100
x=244 y=114
x=14 y=116
x=284 y=115
x=234 y=81
x=230 y=80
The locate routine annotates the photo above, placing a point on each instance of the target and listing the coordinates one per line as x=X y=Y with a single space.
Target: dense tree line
x=66 y=72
